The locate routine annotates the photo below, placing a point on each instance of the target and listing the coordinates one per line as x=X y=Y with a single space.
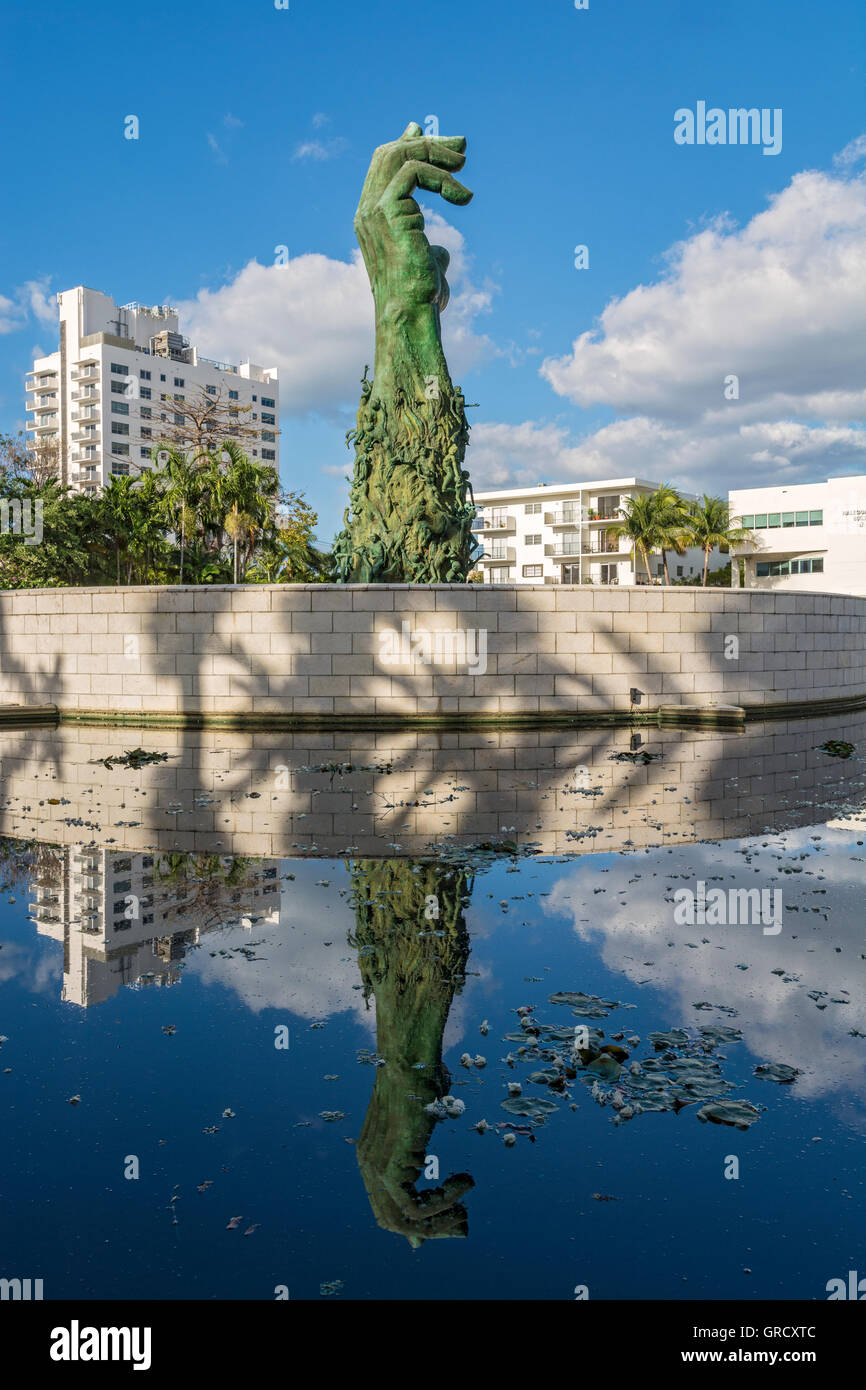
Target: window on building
x=119 y=369
x=802 y=518
x=760 y=521
x=179 y=381
x=499 y=576
x=533 y=571
x=146 y=412
x=816 y=518
x=267 y=401
x=268 y=419
x=774 y=519
x=234 y=396
x=531 y=508
x=771 y=569
x=119 y=408
x=117 y=428
x=211 y=390
x=267 y=434
x=679 y=571
x=145 y=453
x=120 y=449
x=162 y=376
x=268 y=454
x=178 y=419
x=789 y=518
x=145 y=393
x=146 y=433
x=145 y=376
x=533 y=539
x=118 y=388
x=120 y=468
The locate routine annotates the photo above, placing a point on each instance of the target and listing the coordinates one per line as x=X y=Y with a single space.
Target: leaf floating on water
x=74 y=1100
x=674 y=1037
x=719 y=1033
x=586 y=1005
x=780 y=1072
x=330 y=1287
x=330 y=1116
x=837 y=748
x=738 y=1113
x=234 y=1223
x=536 y=1107
x=250 y=1229
x=133 y=757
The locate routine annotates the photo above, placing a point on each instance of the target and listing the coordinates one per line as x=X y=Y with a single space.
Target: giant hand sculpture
x=409 y=519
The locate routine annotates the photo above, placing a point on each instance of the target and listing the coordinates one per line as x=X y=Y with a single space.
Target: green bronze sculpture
x=411 y=507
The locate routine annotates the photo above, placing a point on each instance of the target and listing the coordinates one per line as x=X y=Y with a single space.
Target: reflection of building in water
x=128 y=919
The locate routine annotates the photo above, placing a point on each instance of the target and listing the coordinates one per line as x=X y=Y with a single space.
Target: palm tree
x=710 y=524
x=639 y=526
x=117 y=508
x=244 y=493
x=181 y=490
x=672 y=517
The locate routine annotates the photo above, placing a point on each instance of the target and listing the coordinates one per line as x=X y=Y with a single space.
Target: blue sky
x=256 y=128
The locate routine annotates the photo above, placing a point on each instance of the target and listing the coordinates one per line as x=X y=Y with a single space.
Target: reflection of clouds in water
x=299 y=973
x=39 y=971
x=639 y=938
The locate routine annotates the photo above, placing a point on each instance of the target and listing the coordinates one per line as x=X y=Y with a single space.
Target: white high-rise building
x=110 y=386
x=560 y=533
x=806 y=536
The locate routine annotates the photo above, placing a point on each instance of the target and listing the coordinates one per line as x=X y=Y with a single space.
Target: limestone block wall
x=424 y=649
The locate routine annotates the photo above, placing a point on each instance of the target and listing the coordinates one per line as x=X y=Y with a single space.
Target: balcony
x=499 y=555
x=39 y=383
x=566 y=516
x=89 y=393
x=86 y=437
x=494 y=521
x=569 y=548
x=85 y=373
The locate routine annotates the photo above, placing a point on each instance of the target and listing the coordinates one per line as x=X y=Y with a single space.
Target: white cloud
x=536 y=451
x=320 y=149
x=31 y=298
x=779 y=303
x=313 y=319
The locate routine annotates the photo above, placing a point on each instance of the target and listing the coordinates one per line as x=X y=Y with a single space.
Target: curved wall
x=423 y=650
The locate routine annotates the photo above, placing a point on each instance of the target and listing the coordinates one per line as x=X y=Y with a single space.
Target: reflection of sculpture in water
x=413 y=967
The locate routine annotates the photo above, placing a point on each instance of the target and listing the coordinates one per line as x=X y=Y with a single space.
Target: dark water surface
x=385 y=904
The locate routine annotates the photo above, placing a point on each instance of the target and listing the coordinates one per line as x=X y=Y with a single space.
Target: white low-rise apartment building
x=560 y=533
x=807 y=536
x=103 y=395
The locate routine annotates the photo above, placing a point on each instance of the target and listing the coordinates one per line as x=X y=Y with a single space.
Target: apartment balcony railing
x=89 y=393
x=570 y=549
x=494 y=521
x=84 y=373
x=566 y=516
x=499 y=555
x=85 y=437
x=39 y=383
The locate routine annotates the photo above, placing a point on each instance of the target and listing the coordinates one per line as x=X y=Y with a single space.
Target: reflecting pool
x=433 y=1015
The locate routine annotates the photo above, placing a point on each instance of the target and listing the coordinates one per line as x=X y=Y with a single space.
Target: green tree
x=710 y=525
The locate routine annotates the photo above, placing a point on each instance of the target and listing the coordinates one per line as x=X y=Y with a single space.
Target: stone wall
x=326 y=650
